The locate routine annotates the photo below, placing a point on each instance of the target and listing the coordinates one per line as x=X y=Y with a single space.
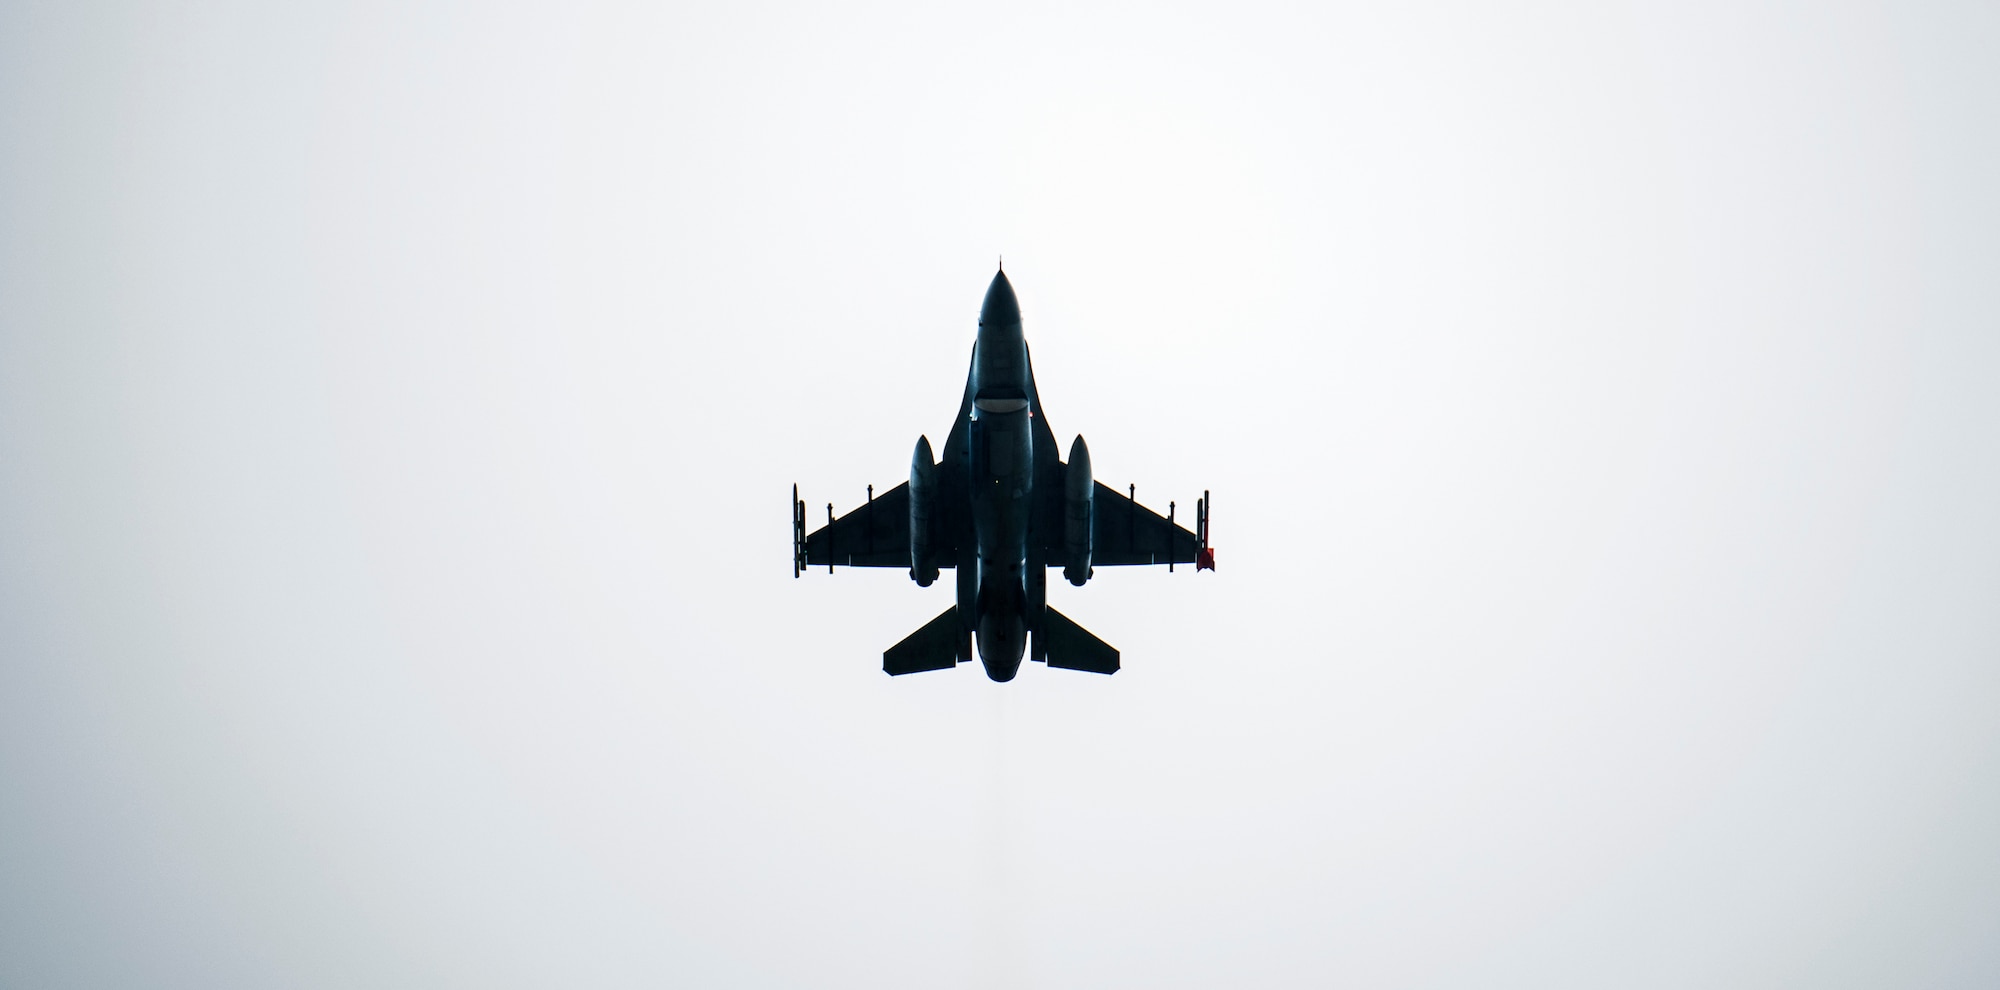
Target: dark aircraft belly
x=1002 y=481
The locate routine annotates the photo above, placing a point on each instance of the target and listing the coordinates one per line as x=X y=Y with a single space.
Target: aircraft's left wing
x=1125 y=532
x=876 y=534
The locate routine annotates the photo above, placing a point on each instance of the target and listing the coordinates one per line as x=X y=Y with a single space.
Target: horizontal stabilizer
x=941 y=643
x=1072 y=647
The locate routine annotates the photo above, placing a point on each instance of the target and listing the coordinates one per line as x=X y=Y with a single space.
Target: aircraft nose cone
x=1001 y=309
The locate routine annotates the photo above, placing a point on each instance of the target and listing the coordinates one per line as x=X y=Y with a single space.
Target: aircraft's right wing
x=1125 y=532
x=875 y=534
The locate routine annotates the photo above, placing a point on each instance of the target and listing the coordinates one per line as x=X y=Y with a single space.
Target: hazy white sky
x=399 y=404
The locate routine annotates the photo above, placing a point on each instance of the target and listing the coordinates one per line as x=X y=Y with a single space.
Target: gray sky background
x=399 y=403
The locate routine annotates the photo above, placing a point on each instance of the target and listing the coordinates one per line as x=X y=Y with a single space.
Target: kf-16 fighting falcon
x=1001 y=509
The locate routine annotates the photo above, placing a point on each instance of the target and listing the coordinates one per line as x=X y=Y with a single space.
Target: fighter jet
x=1000 y=508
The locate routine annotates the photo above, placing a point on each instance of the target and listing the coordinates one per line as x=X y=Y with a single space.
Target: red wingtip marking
x=1204 y=559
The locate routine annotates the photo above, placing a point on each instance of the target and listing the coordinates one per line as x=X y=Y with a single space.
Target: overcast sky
x=399 y=405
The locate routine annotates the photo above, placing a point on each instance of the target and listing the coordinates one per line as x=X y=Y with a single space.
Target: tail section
x=945 y=642
x=942 y=642
x=1072 y=647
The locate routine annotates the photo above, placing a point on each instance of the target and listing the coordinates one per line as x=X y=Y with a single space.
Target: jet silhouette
x=1000 y=508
